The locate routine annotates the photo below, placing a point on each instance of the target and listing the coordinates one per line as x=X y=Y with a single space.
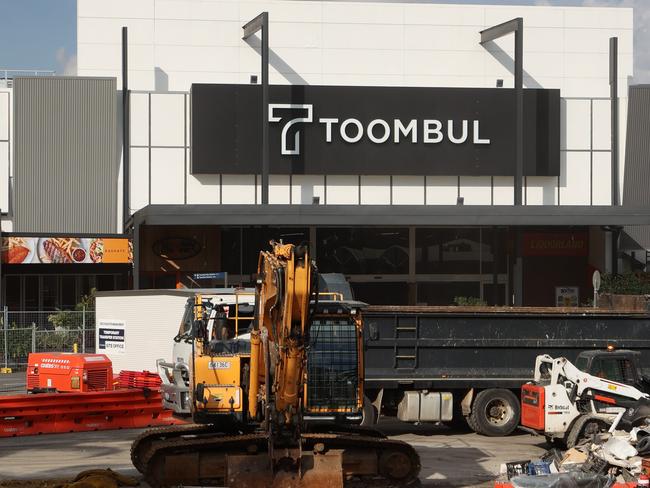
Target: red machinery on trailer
x=58 y=372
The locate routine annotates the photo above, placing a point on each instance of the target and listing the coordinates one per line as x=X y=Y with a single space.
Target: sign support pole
x=515 y=26
x=261 y=22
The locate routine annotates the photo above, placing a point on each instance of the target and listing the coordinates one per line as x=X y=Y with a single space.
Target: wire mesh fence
x=22 y=333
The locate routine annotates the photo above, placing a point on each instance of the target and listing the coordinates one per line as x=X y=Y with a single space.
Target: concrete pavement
x=449 y=458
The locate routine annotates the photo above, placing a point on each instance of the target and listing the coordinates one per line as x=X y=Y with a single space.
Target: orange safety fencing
x=51 y=413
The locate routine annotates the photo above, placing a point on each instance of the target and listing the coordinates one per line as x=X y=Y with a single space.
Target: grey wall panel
x=66 y=164
x=636 y=184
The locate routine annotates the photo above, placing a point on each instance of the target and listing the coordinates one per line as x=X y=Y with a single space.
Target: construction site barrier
x=50 y=413
x=138 y=379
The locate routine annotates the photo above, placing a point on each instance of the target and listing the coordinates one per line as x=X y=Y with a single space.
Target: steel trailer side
x=469 y=350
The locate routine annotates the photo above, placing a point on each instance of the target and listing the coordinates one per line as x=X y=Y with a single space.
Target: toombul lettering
x=377 y=131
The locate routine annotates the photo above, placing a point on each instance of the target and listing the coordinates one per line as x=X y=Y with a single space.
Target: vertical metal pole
x=495 y=269
x=519 y=110
x=126 y=132
x=33 y=337
x=613 y=88
x=6 y=334
x=83 y=330
x=518 y=281
x=265 y=108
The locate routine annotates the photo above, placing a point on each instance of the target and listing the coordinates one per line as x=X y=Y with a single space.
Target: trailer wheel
x=369 y=413
x=495 y=413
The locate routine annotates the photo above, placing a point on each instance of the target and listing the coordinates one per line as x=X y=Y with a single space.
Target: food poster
x=66 y=250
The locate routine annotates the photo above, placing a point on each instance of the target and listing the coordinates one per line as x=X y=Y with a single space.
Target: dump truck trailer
x=450 y=364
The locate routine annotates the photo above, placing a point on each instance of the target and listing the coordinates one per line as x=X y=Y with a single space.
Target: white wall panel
x=203 y=189
x=139 y=178
x=445 y=15
x=283 y=60
x=575 y=169
x=458 y=63
x=362 y=13
x=167 y=119
x=342 y=189
x=602 y=123
x=602 y=184
x=441 y=190
x=167 y=175
x=279 y=189
x=408 y=190
x=109 y=31
x=533 y=16
x=305 y=187
x=197 y=58
x=619 y=18
x=503 y=192
x=441 y=37
x=139 y=119
x=363 y=36
x=375 y=190
x=591 y=40
x=238 y=189
x=290 y=11
x=541 y=190
x=575 y=130
x=198 y=32
x=476 y=190
x=5 y=103
x=4 y=175
x=370 y=61
x=116 y=8
x=109 y=56
x=197 y=10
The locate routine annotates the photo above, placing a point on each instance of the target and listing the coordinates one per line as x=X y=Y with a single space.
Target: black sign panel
x=373 y=130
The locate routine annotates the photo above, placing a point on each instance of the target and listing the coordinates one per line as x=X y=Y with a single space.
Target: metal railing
x=7 y=75
x=61 y=331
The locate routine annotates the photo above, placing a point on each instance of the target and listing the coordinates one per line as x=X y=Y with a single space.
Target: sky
x=41 y=34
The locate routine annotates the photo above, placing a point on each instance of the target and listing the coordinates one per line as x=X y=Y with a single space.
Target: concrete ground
x=12 y=383
x=449 y=458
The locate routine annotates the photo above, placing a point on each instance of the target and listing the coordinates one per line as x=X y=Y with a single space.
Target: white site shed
x=137 y=327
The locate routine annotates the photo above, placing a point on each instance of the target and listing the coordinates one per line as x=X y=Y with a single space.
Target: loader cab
x=622 y=366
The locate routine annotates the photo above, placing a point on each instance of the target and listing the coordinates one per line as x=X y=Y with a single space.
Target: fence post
x=33 y=337
x=83 y=330
x=6 y=340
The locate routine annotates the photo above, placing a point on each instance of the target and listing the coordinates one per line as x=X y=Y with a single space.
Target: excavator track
x=201 y=456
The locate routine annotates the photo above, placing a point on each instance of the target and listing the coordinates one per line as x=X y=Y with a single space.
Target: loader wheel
x=369 y=417
x=583 y=429
x=495 y=413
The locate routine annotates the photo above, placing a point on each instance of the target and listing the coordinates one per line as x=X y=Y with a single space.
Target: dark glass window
x=12 y=293
x=68 y=292
x=381 y=293
x=31 y=292
x=231 y=250
x=449 y=251
x=105 y=282
x=257 y=239
x=363 y=251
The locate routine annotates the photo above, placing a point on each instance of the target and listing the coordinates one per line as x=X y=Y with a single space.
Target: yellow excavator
x=286 y=412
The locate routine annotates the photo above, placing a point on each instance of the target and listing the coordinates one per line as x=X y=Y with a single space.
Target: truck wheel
x=369 y=417
x=495 y=413
x=584 y=428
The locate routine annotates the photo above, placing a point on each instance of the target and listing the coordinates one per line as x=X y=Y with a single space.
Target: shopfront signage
x=66 y=250
x=556 y=244
x=567 y=296
x=373 y=130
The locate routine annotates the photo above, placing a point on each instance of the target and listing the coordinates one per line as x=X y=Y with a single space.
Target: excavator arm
x=278 y=341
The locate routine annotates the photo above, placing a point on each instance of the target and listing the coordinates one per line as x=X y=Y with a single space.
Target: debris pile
x=610 y=459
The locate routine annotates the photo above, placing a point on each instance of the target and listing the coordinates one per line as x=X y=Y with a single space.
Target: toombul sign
x=373 y=130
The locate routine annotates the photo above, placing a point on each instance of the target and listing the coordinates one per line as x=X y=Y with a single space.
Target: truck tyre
x=369 y=413
x=584 y=428
x=495 y=413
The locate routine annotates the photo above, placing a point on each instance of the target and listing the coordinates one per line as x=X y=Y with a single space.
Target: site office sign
x=373 y=130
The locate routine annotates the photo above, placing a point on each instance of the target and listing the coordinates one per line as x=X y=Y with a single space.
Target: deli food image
x=15 y=250
x=96 y=250
x=60 y=250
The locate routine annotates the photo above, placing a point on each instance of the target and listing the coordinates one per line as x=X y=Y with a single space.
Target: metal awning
x=391 y=215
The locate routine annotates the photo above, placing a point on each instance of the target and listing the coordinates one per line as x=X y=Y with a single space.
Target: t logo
x=306 y=109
